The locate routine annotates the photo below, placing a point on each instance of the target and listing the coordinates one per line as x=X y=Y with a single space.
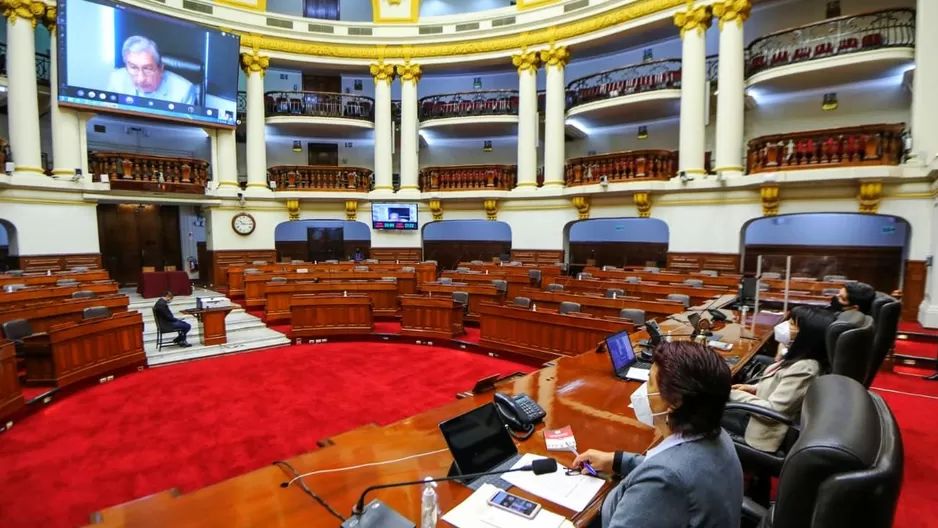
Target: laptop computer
x=624 y=362
x=480 y=442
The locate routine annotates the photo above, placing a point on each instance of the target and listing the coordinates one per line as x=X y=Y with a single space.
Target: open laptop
x=624 y=362
x=480 y=442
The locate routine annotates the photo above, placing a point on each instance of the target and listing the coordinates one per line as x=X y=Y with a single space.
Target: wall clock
x=243 y=224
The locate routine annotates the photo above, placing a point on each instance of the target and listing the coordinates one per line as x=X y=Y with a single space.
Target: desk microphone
x=380 y=514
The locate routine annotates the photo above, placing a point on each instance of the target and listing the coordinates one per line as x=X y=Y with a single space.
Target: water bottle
x=534 y=307
x=345 y=294
x=668 y=339
x=429 y=509
x=745 y=310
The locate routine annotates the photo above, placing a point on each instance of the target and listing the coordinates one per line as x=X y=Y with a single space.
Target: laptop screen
x=478 y=440
x=620 y=350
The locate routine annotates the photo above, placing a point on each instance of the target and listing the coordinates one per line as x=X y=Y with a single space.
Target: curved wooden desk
x=331 y=314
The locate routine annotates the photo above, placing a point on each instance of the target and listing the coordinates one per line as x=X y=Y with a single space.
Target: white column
x=225 y=170
x=527 y=64
x=383 y=74
x=925 y=85
x=66 y=132
x=555 y=60
x=928 y=310
x=22 y=97
x=693 y=23
x=254 y=66
x=730 y=99
x=410 y=164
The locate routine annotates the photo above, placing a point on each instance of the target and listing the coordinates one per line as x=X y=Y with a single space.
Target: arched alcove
x=450 y=242
x=8 y=245
x=318 y=240
x=865 y=247
x=617 y=242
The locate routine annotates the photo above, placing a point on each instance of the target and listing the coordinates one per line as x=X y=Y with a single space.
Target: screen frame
x=416 y=221
x=631 y=347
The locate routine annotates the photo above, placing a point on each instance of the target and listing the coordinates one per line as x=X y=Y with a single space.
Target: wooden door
x=133 y=236
x=322 y=83
x=325 y=243
x=323 y=154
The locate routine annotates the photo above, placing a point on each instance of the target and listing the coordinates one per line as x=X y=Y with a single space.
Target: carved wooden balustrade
x=622 y=166
x=319 y=104
x=465 y=104
x=468 y=177
x=836 y=147
x=320 y=178
x=142 y=172
x=628 y=80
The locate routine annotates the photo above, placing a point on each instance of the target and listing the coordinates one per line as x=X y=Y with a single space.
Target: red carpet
x=193 y=424
x=910 y=347
x=916 y=328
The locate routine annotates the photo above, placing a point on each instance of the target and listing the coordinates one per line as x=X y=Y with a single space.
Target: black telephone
x=519 y=413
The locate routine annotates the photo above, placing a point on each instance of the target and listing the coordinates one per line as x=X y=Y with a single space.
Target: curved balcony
x=320 y=178
x=636 y=93
x=820 y=149
x=476 y=114
x=141 y=172
x=836 y=51
x=323 y=114
x=469 y=178
x=620 y=167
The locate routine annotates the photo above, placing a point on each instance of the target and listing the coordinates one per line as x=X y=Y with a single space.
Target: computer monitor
x=478 y=440
x=747 y=289
x=620 y=350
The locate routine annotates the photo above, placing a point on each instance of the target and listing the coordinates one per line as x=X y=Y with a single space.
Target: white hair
x=137 y=44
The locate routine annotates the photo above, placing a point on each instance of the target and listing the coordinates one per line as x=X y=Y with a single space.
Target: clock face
x=243 y=224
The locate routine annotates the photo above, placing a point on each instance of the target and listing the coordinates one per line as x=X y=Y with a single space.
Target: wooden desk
x=44 y=315
x=255 y=285
x=600 y=306
x=669 y=277
x=32 y=294
x=11 y=397
x=41 y=279
x=643 y=290
x=439 y=317
x=478 y=293
x=548 y=272
x=235 y=272
x=515 y=282
x=331 y=314
x=75 y=351
x=213 y=323
x=280 y=296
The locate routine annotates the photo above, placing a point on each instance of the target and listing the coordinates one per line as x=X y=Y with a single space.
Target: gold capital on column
x=409 y=72
x=582 y=204
x=770 y=200
x=557 y=56
x=436 y=209
x=351 y=210
x=49 y=19
x=382 y=72
x=732 y=10
x=871 y=193
x=491 y=209
x=643 y=204
x=695 y=18
x=526 y=60
x=293 y=209
x=254 y=62
x=25 y=9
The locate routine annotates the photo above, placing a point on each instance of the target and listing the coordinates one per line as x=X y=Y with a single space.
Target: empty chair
x=609 y=268
x=614 y=293
x=16 y=330
x=331 y=261
x=430 y=262
x=361 y=268
x=535 y=277
x=474 y=272
x=445 y=280
x=633 y=280
x=709 y=273
x=764 y=286
x=834 y=278
x=463 y=299
x=584 y=275
x=13 y=287
x=80 y=268
x=296 y=262
x=389 y=279
x=278 y=279
x=523 y=302
x=500 y=285
x=850 y=345
x=15 y=273
x=885 y=311
x=561 y=265
x=771 y=275
x=371 y=261
x=94 y=312
x=463 y=269
x=694 y=283
x=408 y=269
x=476 y=262
x=259 y=262
x=555 y=287
x=567 y=307
x=66 y=282
x=516 y=263
x=633 y=314
x=651 y=269
x=249 y=271
x=684 y=299
x=83 y=294
x=827 y=292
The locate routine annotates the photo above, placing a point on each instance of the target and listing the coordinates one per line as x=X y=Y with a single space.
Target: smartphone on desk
x=514 y=504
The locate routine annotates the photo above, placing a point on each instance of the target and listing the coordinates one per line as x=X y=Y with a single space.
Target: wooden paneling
x=291 y=250
x=11 y=397
x=32 y=294
x=331 y=314
x=539 y=257
x=449 y=253
x=878 y=266
x=478 y=293
x=728 y=262
x=4 y=255
x=43 y=315
x=60 y=262
x=438 y=317
x=913 y=288
x=402 y=255
x=279 y=296
x=134 y=236
x=619 y=254
x=220 y=260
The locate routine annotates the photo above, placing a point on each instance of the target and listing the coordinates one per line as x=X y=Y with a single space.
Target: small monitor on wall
x=394 y=216
x=118 y=58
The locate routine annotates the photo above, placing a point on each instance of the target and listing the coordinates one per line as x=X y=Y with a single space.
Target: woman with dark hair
x=699 y=482
x=781 y=387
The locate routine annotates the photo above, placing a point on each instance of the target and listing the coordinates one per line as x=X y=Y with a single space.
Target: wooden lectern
x=431 y=316
x=213 y=323
x=331 y=314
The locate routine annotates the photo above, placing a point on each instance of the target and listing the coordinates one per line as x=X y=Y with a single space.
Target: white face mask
x=783 y=333
x=642 y=406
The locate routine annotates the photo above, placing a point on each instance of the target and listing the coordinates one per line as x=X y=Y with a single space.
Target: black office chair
x=83 y=294
x=162 y=328
x=94 y=312
x=886 y=311
x=408 y=269
x=463 y=269
x=567 y=307
x=555 y=287
x=584 y=275
x=360 y=268
x=445 y=280
x=633 y=280
x=16 y=330
x=500 y=285
x=192 y=71
x=682 y=298
x=278 y=279
x=846 y=467
x=80 y=268
x=633 y=314
x=15 y=273
x=535 y=277
x=850 y=345
x=476 y=262
x=613 y=291
x=709 y=273
x=694 y=283
x=390 y=279
x=523 y=302
x=66 y=282
x=463 y=299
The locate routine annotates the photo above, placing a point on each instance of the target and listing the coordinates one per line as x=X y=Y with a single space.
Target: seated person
x=854 y=296
x=699 y=481
x=166 y=321
x=801 y=358
x=143 y=75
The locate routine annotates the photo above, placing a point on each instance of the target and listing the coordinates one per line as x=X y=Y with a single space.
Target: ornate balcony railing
x=396 y=110
x=891 y=28
x=319 y=104
x=837 y=147
x=320 y=178
x=466 y=104
x=142 y=172
x=469 y=177
x=713 y=68
x=638 y=78
x=622 y=167
x=242 y=102
x=43 y=64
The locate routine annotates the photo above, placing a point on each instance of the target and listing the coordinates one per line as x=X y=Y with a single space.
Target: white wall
x=53 y=228
x=468 y=152
x=220 y=236
x=661 y=135
x=157 y=138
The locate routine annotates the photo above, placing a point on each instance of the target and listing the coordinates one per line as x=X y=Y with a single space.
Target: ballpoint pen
x=586 y=464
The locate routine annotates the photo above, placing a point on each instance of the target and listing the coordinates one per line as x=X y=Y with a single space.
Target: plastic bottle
x=429 y=508
x=345 y=294
x=534 y=307
x=668 y=339
x=745 y=310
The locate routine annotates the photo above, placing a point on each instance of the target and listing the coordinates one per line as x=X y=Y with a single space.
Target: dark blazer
x=163 y=315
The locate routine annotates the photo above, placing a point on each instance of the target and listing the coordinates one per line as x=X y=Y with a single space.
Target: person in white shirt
x=144 y=75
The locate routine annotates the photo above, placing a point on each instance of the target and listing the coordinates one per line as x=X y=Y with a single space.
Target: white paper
x=476 y=512
x=570 y=491
x=638 y=374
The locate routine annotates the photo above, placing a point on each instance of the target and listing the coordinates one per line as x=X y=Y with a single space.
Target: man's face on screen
x=144 y=71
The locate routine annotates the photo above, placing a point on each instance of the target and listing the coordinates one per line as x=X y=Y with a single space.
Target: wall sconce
x=643 y=132
x=830 y=102
x=487 y=146
x=297 y=146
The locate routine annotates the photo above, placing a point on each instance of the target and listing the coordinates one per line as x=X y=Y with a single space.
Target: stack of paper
x=476 y=512
x=570 y=491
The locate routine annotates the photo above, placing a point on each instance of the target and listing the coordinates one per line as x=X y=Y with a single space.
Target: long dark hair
x=696 y=381
x=810 y=342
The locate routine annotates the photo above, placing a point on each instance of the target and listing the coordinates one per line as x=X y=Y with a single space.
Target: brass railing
x=319 y=104
x=320 y=178
x=142 y=172
x=638 y=78
x=621 y=167
x=465 y=104
x=43 y=64
x=891 y=28
x=837 y=147
x=468 y=177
